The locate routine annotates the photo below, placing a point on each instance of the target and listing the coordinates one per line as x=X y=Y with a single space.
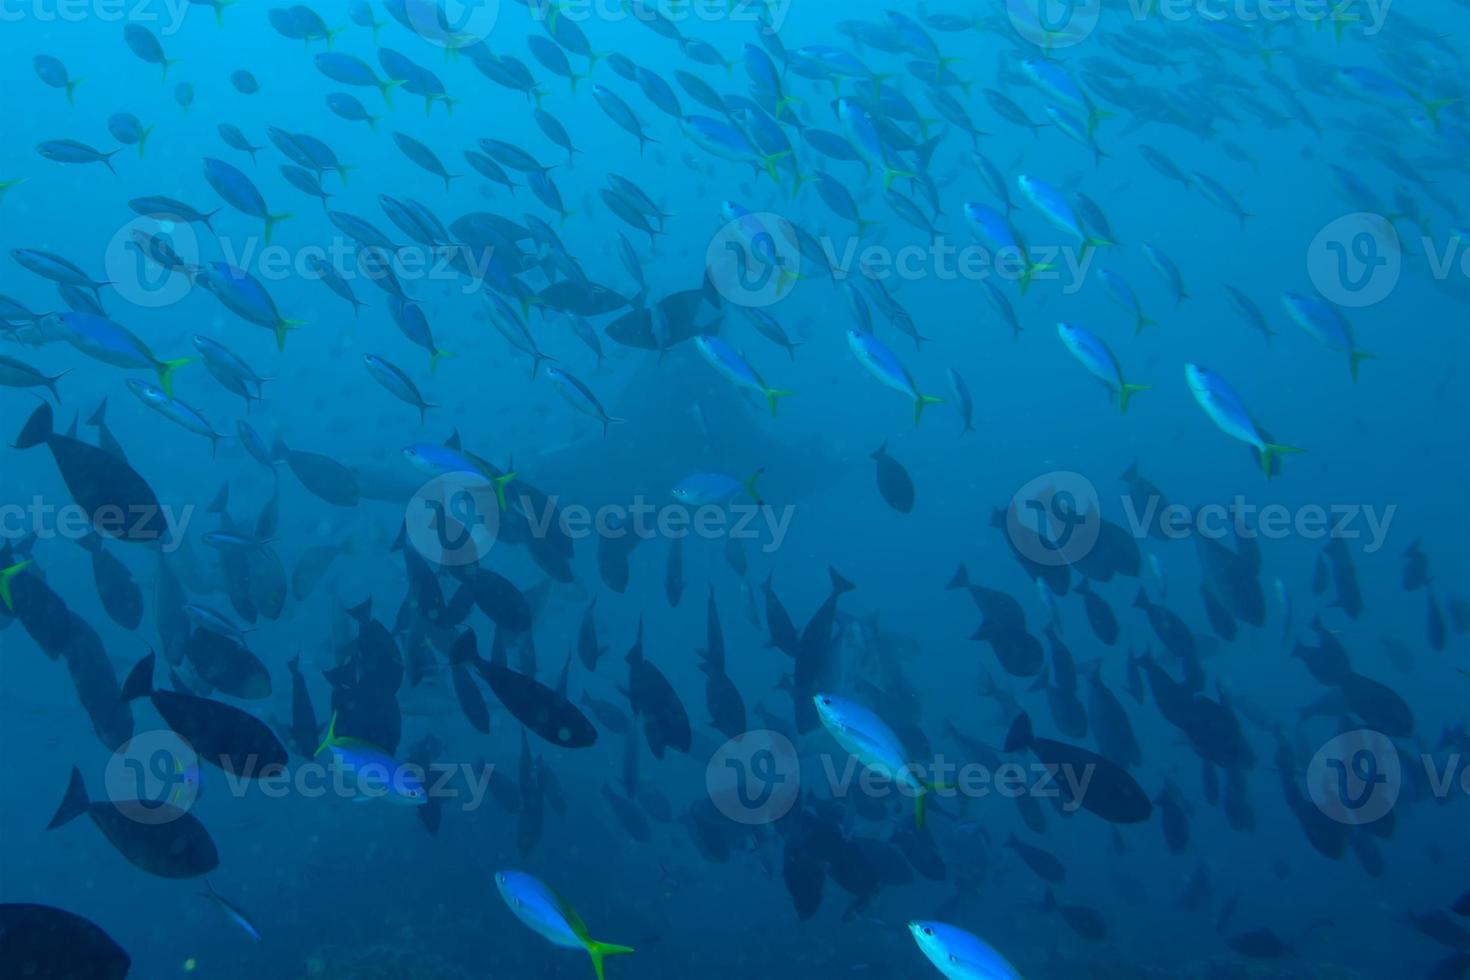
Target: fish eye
x=928 y=931
x=827 y=702
x=953 y=958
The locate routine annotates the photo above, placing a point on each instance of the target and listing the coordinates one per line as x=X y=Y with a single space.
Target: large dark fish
x=221 y=734
x=813 y=651
x=461 y=656
x=588 y=650
x=225 y=664
x=171 y=843
x=894 y=483
x=121 y=597
x=656 y=704
x=1112 y=794
x=1172 y=631
x=322 y=476
x=1344 y=577
x=40 y=942
x=304 y=733
x=543 y=710
x=118 y=503
x=95 y=680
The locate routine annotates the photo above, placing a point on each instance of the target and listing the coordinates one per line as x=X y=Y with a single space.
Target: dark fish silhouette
x=41 y=942
x=118 y=503
x=169 y=843
x=221 y=734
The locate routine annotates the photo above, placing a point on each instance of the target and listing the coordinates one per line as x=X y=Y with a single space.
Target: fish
x=547 y=914
x=1225 y=408
x=863 y=734
x=894 y=483
x=50 y=942
x=171 y=843
x=1113 y=795
x=960 y=955
x=118 y=503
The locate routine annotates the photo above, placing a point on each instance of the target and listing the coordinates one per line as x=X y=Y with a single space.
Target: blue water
x=1267 y=110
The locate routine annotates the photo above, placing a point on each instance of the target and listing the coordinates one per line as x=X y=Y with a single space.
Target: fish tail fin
x=6 y=575
x=1020 y=734
x=1126 y=393
x=1095 y=116
x=600 y=951
x=73 y=804
x=923 y=401
x=920 y=814
x=840 y=585
x=890 y=175
x=775 y=394
x=501 y=482
x=769 y=161
x=438 y=356
x=1270 y=453
x=1433 y=107
x=1357 y=357
x=749 y=484
x=143 y=142
x=329 y=738
x=38 y=428
x=166 y=371
x=387 y=88
x=71 y=90
x=343 y=169
x=271 y=220
x=139 y=682
x=1143 y=322
x=1032 y=268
